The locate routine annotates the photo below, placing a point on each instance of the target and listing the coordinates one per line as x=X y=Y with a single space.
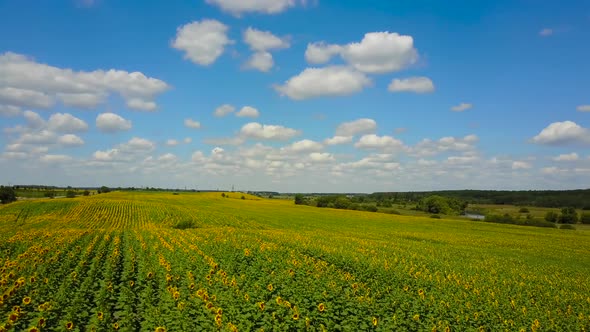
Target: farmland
x=164 y=262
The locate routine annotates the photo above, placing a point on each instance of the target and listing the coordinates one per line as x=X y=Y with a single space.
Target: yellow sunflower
x=321 y=307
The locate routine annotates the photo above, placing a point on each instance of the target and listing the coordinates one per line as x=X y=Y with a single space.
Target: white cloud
x=105 y=155
x=327 y=81
x=66 y=123
x=546 y=32
x=24 y=97
x=167 y=158
x=261 y=61
x=567 y=157
x=34 y=120
x=261 y=41
x=461 y=160
x=336 y=140
x=239 y=7
x=374 y=142
x=376 y=53
x=40 y=137
x=203 y=42
x=305 y=145
x=172 y=142
x=190 y=123
x=110 y=123
x=248 y=112
x=319 y=53
x=360 y=126
x=319 y=157
x=141 y=105
x=428 y=147
x=187 y=140
x=412 y=84
x=137 y=143
x=24 y=82
x=224 y=110
x=82 y=100
x=521 y=165
x=70 y=140
x=55 y=158
x=565 y=132
x=461 y=107
x=256 y=130
x=9 y=110
x=583 y=108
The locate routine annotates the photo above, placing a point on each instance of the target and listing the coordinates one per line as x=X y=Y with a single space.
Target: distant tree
x=50 y=194
x=243 y=197
x=104 y=189
x=270 y=196
x=70 y=194
x=86 y=193
x=223 y=195
x=552 y=216
x=299 y=199
x=568 y=216
x=342 y=203
x=523 y=210
x=585 y=218
x=7 y=195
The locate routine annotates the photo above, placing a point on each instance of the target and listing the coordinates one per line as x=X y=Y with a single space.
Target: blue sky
x=294 y=95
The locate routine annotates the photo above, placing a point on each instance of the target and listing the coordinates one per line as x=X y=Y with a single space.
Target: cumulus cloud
x=239 y=7
x=66 y=123
x=374 y=142
x=190 y=123
x=327 y=81
x=561 y=133
x=256 y=130
x=428 y=147
x=55 y=158
x=248 y=112
x=521 y=165
x=305 y=145
x=9 y=110
x=412 y=84
x=34 y=120
x=376 y=53
x=583 y=108
x=261 y=61
x=321 y=157
x=70 y=140
x=203 y=42
x=461 y=107
x=224 y=110
x=111 y=123
x=27 y=83
x=567 y=157
x=138 y=144
x=261 y=41
x=546 y=32
x=336 y=140
x=360 y=126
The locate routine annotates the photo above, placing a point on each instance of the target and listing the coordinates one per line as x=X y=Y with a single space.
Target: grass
x=365 y=270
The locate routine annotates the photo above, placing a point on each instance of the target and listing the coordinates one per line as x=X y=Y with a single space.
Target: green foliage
x=103 y=190
x=7 y=195
x=86 y=193
x=185 y=224
x=243 y=197
x=223 y=195
x=585 y=218
x=299 y=199
x=523 y=210
x=567 y=226
x=50 y=194
x=551 y=216
x=441 y=205
x=435 y=216
x=568 y=216
x=70 y=194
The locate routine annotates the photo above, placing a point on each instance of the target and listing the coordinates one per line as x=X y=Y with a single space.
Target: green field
x=120 y=261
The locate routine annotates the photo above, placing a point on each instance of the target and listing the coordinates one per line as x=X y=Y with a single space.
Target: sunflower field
x=121 y=262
